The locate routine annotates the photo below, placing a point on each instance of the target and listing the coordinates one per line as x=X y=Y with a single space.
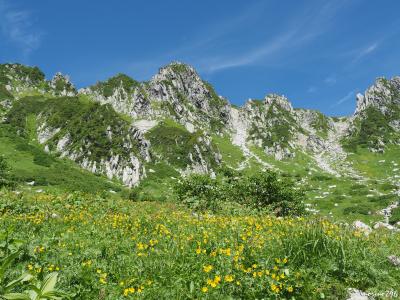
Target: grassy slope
x=343 y=198
x=103 y=246
x=29 y=162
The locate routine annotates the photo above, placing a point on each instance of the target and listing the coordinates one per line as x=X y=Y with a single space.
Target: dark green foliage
x=133 y=194
x=39 y=156
x=215 y=101
x=5 y=180
x=388 y=187
x=358 y=190
x=320 y=123
x=321 y=177
x=3 y=166
x=69 y=114
x=174 y=143
x=395 y=217
x=107 y=87
x=4 y=94
x=384 y=200
x=47 y=170
x=200 y=193
x=178 y=67
x=18 y=114
x=62 y=85
x=360 y=209
x=32 y=74
x=372 y=128
x=264 y=190
x=278 y=131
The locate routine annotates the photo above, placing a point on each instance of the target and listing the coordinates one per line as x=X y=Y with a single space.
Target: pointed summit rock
x=62 y=86
x=278 y=100
x=381 y=95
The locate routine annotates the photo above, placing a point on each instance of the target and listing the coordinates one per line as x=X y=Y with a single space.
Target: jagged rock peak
x=176 y=80
x=176 y=71
x=279 y=100
x=62 y=85
x=61 y=77
x=380 y=94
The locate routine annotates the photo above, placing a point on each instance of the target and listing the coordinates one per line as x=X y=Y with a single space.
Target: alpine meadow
x=163 y=189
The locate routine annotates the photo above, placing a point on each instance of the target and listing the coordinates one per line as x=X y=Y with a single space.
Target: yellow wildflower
x=207 y=268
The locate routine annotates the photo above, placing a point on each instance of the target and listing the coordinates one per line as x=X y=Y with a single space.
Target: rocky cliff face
x=376 y=121
x=381 y=95
x=122 y=127
x=175 y=92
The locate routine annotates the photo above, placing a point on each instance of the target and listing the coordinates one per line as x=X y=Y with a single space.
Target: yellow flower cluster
x=102 y=276
x=214 y=282
x=230 y=254
x=38 y=249
x=87 y=263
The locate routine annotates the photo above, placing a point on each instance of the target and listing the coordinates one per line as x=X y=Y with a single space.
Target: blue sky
x=317 y=53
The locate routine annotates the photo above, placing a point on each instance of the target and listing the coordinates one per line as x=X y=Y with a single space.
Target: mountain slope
x=36 y=170
x=175 y=124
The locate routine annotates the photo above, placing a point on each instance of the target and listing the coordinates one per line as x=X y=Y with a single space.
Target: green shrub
x=395 y=217
x=321 y=177
x=383 y=200
x=4 y=93
x=199 y=192
x=133 y=194
x=358 y=192
x=5 y=180
x=43 y=159
x=388 y=187
x=266 y=189
x=3 y=166
x=261 y=191
x=360 y=209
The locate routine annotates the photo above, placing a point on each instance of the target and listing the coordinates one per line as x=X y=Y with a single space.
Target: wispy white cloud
x=210 y=33
x=331 y=80
x=345 y=98
x=312 y=89
x=17 y=27
x=250 y=57
x=303 y=28
x=365 y=51
x=297 y=30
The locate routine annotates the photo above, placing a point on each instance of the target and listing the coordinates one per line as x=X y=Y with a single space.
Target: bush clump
x=261 y=191
x=5 y=181
x=395 y=217
x=361 y=209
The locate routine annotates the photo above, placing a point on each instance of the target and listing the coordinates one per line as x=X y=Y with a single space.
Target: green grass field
x=106 y=248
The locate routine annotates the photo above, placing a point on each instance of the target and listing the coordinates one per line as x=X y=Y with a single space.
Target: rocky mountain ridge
x=123 y=128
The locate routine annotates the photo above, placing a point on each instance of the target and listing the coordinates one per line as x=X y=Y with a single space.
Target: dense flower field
x=116 y=249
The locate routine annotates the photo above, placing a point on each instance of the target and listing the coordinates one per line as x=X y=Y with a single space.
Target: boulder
x=384 y=225
x=355 y=294
x=394 y=260
x=358 y=225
